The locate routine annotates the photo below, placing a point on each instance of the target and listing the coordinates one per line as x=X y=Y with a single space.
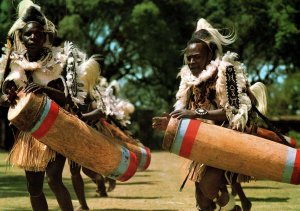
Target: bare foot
x=112 y=185
x=80 y=208
x=101 y=194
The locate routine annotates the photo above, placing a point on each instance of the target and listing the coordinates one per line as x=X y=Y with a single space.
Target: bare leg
x=246 y=204
x=98 y=179
x=202 y=202
x=213 y=186
x=35 y=182
x=112 y=184
x=78 y=185
x=54 y=176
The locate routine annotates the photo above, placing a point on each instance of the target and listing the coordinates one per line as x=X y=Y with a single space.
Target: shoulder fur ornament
x=188 y=80
x=48 y=68
x=82 y=73
x=228 y=86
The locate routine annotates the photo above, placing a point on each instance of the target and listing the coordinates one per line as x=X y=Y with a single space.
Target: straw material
x=30 y=154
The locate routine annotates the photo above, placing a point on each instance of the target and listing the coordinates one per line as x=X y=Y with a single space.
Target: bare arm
x=55 y=94
x=93 y=115
x=214 y=115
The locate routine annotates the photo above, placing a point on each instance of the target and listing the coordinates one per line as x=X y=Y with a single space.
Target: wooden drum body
x=232 y=150
x=71 y=137
x=142 y=152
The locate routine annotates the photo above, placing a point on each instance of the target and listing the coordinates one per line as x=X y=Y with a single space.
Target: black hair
x=200 y=36
x=34 y=15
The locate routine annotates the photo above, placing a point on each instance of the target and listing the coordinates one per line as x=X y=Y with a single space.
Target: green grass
x=13 y=191
x=153 y=190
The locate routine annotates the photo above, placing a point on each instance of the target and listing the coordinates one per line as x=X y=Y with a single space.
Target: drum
x=268 y=134
x=142 y=152
x=232 y=150
x=71 y=137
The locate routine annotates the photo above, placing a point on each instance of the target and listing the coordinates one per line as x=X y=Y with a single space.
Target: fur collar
x=188 y=80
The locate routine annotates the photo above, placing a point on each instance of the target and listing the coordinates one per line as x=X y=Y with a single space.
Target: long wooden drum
x=71 y=137
x=231 y=150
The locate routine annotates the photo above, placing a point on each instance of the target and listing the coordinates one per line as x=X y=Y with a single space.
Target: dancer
x=214 y=88
x=32 y=62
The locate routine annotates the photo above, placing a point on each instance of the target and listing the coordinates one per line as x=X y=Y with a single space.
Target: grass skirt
x=30 y=154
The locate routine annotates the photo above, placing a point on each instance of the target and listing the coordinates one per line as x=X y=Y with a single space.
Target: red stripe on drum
x=132 y=168
x=148 y=158
x=296 y=171
x=48 y=121
x=293 y=142
x=189 y=138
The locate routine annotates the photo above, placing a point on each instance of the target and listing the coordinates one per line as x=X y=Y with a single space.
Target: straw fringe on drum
x=30 y=154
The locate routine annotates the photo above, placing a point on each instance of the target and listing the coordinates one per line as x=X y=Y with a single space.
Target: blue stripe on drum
x=143 y=158
x=176 y=146
x=289 y=165
x=123 y=165
x=45 y=112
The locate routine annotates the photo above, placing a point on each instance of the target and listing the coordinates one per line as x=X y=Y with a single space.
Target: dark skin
x=77 y=181
x=33 y=37
x=212 y=186
x=198 y=57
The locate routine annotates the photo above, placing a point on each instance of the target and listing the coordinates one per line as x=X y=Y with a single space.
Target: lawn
x=156 y=190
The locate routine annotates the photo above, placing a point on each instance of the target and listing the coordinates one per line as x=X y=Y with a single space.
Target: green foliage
x=71 y=26
x=296 y=136
x=284 y=97
x=6 y=15
x=141 y=42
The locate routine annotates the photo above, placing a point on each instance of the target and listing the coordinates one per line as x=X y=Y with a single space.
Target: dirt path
x=157 y=189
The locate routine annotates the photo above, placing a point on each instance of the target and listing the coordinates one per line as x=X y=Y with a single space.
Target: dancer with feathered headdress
x=214 y=88
x=65 y=74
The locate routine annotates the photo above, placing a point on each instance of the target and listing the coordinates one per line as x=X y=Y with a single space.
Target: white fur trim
x=18 y=76
x=110 y=104
x=237 y=118
x=75 y=75
x=50 y=70
x=3 y=61
x=188 y=80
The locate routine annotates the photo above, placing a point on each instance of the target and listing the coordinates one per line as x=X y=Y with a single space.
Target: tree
x=285 y=96
x=141 y=41
x=267 y=33
x=6 y=15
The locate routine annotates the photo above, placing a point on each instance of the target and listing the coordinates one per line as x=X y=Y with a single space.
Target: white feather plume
x=89 y=72
x=259 y=91
x=216 y=36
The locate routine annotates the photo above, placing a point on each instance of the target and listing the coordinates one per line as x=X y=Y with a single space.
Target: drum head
x=26 y=112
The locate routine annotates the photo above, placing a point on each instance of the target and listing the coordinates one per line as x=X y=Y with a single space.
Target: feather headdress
x=212 y=37
x=28 y=11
